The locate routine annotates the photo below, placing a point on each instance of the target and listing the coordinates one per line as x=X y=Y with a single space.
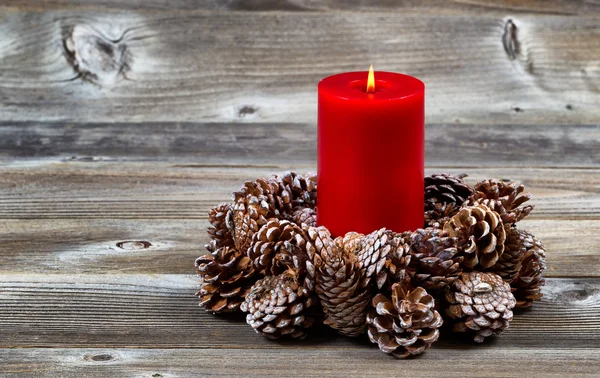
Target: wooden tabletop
x=123 y=121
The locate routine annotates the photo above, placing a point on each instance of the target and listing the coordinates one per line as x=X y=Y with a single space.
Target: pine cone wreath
x=480 y=303
x=506 y=198
x=527 y=287
x=278 y=306
x=405 y=324
x=220 y=225
x=445 y=188
x=226 y=276
x=269 y=259
x=343 y=293
x=480 y=235
x=435 y=258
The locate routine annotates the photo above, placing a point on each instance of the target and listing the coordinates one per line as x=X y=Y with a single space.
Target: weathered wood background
x=123 y=121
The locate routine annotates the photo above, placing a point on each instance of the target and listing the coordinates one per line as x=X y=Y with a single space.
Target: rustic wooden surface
x=123 y=122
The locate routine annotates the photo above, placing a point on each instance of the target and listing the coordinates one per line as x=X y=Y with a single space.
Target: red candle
x=370 y=152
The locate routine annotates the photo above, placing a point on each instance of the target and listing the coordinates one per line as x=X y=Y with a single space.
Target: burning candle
x=370 y=152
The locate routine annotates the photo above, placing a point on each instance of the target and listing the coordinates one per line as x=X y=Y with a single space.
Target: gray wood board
x=158 y=246
x=475 y=7
x=159 y=311
x=448 y=145
x=55 y=189
x=215 y=66
x=465 y=361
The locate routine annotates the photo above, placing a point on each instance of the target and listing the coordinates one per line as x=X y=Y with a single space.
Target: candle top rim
x=392 y=86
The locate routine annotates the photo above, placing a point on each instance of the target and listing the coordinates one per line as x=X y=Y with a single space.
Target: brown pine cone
x=225 y=278
x=251 y=209
x=343 y=293
x=302 y=189
x=480 y=235
x=397 y=264
x=435 y=258
x=509 y=263
x=275 y=245
x=374 y=253
x=445 y=188
x=480 y=303
x=440 y=213
x=527 y=288
x=506 y=198
x=405 y=325
x=219 y=230
x=279 y=305
x=305 y=215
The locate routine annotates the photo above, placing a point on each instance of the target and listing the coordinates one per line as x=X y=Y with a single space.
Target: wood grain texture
x=56 y=189
x=291 y=143
x=469 y=362
x=145 y=246
x=159 y=311
x=563 y=7
x=228 y=67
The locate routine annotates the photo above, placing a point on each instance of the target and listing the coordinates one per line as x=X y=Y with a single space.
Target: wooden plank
x=55 y=189
x=127 y=246
x=476 y=7
x=290 y=143
x=160 y=311
x=234 y=67
x=464 y=362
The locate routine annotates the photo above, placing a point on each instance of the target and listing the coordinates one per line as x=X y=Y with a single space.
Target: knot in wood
x=99 y=357
x=134 y=245
x=95 y=57
x=509 y=40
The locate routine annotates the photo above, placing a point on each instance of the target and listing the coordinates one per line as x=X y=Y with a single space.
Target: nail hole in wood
x=247 y=110
x=134 y=245
x=569 y=107
x=516 y=109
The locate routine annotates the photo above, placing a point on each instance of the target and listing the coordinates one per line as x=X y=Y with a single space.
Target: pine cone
x=219 y=230
x=440 y=213
x=506 y=198
x=405 y=325
x=445 y=188
x=527 y=286
x=278 y=305
x=301 y=189
x=251 y=210
x=225 y=278
x=397 y=264
x=509 y=263
x=480 y=303
x=374 y=253
x=275 y=245
x=480 y=235
x=343 y=293
x=435 y=258
x=305 y=215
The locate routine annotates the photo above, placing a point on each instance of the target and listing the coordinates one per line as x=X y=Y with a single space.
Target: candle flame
x=371 y=81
